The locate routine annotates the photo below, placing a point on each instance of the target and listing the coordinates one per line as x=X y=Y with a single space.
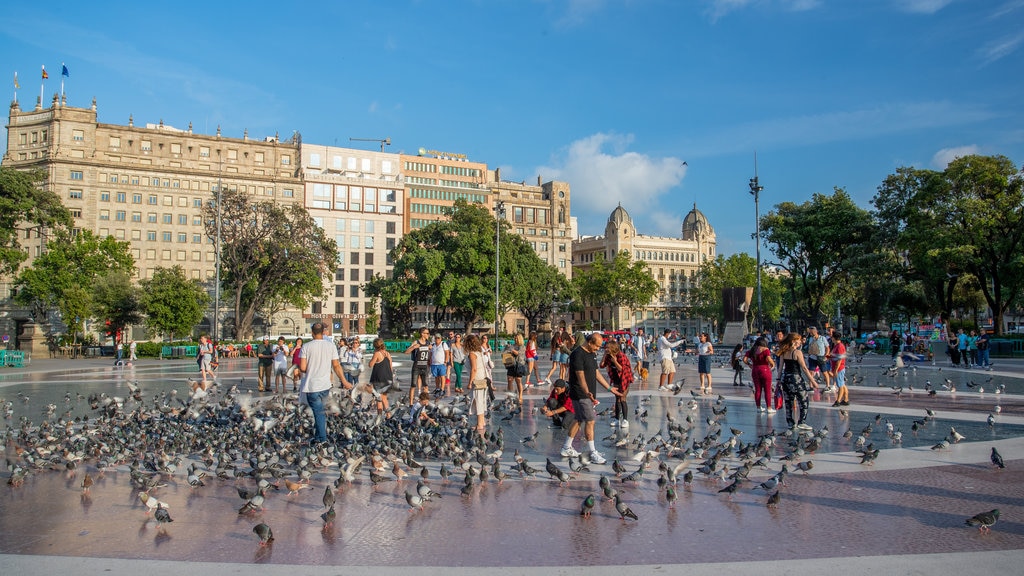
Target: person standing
x=983 y=344
x=382 y=374
x=761 y=363
x=485 y=351
x=620 y=374
x=420 y=350
x=479 y=383
x=319 y=361
x=817 y=355
x=838 y=358
x=352 y=361
x=795 y=390
x=440 y=358
x=205 y=359
x=559 y=354
x=280 y=365
x=583 y=380
x=531 y=360
x=639 y=345
x=516 y=352
x=972 y=348
x=668 y=364
x=131 y=352
x=737 y=365
x=458 y=361
x=265 y=365
x=961 y=339
x=704 y=352
x=296 y=361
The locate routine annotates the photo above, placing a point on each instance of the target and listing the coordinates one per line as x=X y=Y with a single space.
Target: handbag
x=778 y=401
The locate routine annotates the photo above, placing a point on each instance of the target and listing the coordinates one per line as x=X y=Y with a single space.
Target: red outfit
x=761 y=374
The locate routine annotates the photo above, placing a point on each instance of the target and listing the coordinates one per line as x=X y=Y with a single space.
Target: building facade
x=358 y=198
x=673 y=263
x=148 y=184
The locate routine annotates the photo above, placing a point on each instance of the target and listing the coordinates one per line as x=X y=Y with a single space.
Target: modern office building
x=358 y=198
x=147 y=185
x=673 y=263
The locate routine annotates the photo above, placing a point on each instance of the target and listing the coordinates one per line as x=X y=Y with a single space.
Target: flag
x=64 y=72
x=16 y=85
x=45 y=75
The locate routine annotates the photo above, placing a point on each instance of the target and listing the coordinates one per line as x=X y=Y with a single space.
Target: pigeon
x=163 y=517
x=805 y=467
x=731 y=488
x=87 y=481
x=328 y=497
x=265 y=534
x=670 y=495
x=424 y=491
x=294 y=487
x=329 y=516
x=868 y=457
x=588 y=505
x=618 y=468
x=997 y=458
x=955 y=436
x=942 y=445
x=625 y=512
x=773 y=500
x=991 y=420
x=984 y=521
x=414 y=500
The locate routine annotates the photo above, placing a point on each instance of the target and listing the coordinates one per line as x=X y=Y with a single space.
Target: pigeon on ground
x=773 y=500
x=414 y=501
x=984 y=521
x=997 y=458
x=588 y=505
x=265 y=534
x=164 y=517
x=623 y=509
x=670 y=495
x=328 y=497
x=329 y=516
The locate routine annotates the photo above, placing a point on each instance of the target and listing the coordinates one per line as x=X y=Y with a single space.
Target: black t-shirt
x=266 y=354
x=421 y=354
x=581 y=360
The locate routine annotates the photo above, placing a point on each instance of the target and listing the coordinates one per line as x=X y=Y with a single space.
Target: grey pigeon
x=984 y=521
x=997 y=458
x=414 y=501
x=264 y=532
x=623 y=509
x=588 y=506
x=773 y=500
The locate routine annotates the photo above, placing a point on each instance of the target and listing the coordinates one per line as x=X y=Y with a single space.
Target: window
x=151 y=217
x=197 y=238
x=136 y=216
x=389 y=227
x=368 y=242
x=168 y=219
x=286 y=160
x=105 y=196
x=339 y=307
x=314 y=160
x=165 y=236
x=104 y=214
x=367 y=274
x=152 y=200
x=182 y=219
x=182 y=237
x=204 y=151
x=76 y=135
x=353 y=274
x=258 y=157
x=76 y=175
x=175 y=148
x=136 y=198
x=517 y=214
x=368 y=259
x=288 y=193
x=197 y=202
x=197 y=221
x=353 y=291
x=76 y=213
x=339 y=274
x=151 y=236
x=76 y=194
x=122 y=197
x=353 y=258
x=119 y=215
x=115 y=141
x=353 y=307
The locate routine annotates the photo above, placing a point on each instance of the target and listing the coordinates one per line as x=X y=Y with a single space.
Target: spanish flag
x=45 y=75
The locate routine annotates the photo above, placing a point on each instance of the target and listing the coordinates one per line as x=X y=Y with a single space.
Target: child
x=620 y=374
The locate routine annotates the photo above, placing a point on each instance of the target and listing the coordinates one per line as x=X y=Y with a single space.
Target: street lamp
x=755 y=189
x=216 y=288
x=499 y=213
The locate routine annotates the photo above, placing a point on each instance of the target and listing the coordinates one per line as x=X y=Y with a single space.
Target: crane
x=383 y=143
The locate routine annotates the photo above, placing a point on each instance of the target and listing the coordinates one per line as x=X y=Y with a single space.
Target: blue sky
x=609 y=95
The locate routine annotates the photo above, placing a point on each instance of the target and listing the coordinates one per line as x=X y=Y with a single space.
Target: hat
x=267 y=338
x=560 y=383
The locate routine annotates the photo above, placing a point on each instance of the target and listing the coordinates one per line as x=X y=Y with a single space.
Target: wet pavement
x=911 y=503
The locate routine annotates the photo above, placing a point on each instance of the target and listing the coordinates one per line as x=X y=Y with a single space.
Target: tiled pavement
x=903 y=515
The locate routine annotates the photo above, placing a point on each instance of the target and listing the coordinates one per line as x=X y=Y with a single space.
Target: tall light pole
x=216 y=287
x=499 y=213
x=755 y=189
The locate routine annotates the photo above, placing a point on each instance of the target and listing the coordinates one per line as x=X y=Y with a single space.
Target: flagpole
x=63 y=68
x=42 y=86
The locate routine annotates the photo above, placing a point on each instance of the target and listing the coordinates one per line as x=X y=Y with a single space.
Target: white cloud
x=719 y=8
x=922 y=6
x=943 y=157
x=997 y=49
x=604 y=174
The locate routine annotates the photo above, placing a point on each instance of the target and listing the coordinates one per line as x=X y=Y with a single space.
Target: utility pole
x=755 y=189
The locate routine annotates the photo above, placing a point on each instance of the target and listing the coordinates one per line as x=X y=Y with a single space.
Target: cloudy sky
x=612 y=96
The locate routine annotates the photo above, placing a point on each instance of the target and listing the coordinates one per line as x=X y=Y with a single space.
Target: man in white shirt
x=668 y=364
x=440 y=359
x=280 y=364
x=639 y=345
x=318 y=359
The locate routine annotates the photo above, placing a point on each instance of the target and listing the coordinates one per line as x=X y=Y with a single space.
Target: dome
x=695 y=223
x=618 y=216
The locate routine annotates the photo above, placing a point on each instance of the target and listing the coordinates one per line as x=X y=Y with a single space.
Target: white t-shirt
x=280 y=355
x=319 y=355
x=438 y=354
x=640 y=345
x=665 y=347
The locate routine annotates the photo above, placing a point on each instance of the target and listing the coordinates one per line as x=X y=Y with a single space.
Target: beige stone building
x=358 y=198
x=673 y=263
x=147 y=185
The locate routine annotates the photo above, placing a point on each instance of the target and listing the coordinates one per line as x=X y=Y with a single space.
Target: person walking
x=132 y=348
x=559 y=355
x=205 y=360
x=319 y=361
x=458 y=361
x=761 y=363
x=479 y=383
x=440 y=358
x=516 y=368
x=794 y=388
x=704 y=352
x=620 y=374
x=420 y=350
x=265 y=365
x=583 y=380
x=531 y=361
x=382 y=374
x=838 y=357
x=668 y=364
x=639 y=345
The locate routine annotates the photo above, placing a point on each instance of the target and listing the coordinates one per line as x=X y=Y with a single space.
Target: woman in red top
x=296 y=361
x=620 y=374
x=531 y=360
x=759 y=358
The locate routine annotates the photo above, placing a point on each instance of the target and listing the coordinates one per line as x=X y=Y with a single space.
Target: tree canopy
x=116 y=301
x=269 y=253
x=619 y=283
x=173 y=303
x=23 y=204
x=738 y=270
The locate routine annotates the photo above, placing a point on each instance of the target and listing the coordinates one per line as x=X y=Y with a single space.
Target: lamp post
x=216 y=287
x=755 y=189
x=499 y=213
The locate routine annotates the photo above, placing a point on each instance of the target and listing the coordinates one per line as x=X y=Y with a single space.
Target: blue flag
x=64 y=72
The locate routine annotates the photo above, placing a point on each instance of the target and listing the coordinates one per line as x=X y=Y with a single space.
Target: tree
x=23 y=203
x=816 y=243
x=738 y=270
x=967 y=220
x=62 y=276
x=269 y=252
x=620 y=283
x=116 y=301
x=173 y=303
x=539 y=291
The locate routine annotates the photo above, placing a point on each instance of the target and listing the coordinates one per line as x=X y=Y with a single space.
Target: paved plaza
x=903 y=514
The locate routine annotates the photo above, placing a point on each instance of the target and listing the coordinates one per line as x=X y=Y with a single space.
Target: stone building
x=673 y=263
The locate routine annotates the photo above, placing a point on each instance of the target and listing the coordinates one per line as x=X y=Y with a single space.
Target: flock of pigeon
x=260 y=443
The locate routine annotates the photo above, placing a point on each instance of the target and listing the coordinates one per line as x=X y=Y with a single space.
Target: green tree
x=23 y=205
x=269 y=253
x=738 y=270
x=62 y=277
x=116 y=299
x=619 y=283
x=538 y=290
x=817 y=243
x=172 y=302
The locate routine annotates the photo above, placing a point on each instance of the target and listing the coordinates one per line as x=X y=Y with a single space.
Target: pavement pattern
x=905 y=513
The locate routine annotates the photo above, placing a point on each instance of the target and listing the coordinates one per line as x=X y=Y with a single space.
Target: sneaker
x=844 y=403
x=570 y=452
x=614 y=422
x=597 y=458
x=663 y=388
x=547 y=382
x=771 y=410
x=804 y=426
x=760 y=409
x=836 y=403
x=624 y=424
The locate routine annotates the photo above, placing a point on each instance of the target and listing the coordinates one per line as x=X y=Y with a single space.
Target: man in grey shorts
x=583 y=380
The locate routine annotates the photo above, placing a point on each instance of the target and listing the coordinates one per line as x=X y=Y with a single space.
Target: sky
x=654 y=104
